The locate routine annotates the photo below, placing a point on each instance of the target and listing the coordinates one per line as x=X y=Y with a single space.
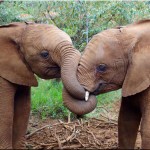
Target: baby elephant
x=120 y=58
x=25 y=50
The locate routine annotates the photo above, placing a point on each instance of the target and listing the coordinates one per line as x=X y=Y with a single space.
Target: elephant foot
x=20 y=144
x=7 y=147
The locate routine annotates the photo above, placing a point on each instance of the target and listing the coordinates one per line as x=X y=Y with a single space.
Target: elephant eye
x=101 y=68
x=44 y=54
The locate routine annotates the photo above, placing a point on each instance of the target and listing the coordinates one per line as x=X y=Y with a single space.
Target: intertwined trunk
x=79 y=107
x=73 y=92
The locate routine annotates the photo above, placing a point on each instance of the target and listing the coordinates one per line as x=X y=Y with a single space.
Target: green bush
x=80 y=19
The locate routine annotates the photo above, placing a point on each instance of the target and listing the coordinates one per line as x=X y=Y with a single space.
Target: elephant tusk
x=87 y=95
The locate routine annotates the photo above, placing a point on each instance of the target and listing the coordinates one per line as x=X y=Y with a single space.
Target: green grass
x=47 y=100
x=103 y=100
x=110 y=97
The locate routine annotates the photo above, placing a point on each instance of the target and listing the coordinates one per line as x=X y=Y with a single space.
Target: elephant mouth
x=56 y=68
x=52 y=72
x=106 y=87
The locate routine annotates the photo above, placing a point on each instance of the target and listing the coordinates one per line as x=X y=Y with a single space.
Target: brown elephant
x=120 y=58
x=27 y=49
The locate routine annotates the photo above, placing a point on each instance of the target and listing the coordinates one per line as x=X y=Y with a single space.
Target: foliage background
x=81 y=20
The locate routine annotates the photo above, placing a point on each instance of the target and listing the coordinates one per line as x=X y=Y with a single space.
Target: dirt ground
x=92 y=133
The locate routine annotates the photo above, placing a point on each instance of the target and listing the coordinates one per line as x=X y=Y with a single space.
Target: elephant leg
x=21 y=116
x=128 y=123
x=145 y=123
x=145 y=131
x=7 y=93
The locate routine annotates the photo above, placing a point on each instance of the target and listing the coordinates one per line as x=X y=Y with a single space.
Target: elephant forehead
x=44 y=31
x=109 y=44
x=54 y=37
x=94 y=53
x=101 y=49
x=44 y=36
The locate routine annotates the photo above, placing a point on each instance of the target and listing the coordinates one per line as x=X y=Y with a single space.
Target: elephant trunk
x=73 y=92
x=69 y=62
x=77 y=106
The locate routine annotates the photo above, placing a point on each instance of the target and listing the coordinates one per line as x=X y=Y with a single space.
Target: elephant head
x=117 y=58
x=114 y=58
x=45 y=50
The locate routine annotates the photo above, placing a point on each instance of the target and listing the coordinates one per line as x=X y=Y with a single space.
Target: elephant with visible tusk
x=120 y=58
x=27 y=49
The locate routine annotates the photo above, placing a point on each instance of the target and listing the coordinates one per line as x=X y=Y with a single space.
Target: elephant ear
x=12 y=65
x=138 y=74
